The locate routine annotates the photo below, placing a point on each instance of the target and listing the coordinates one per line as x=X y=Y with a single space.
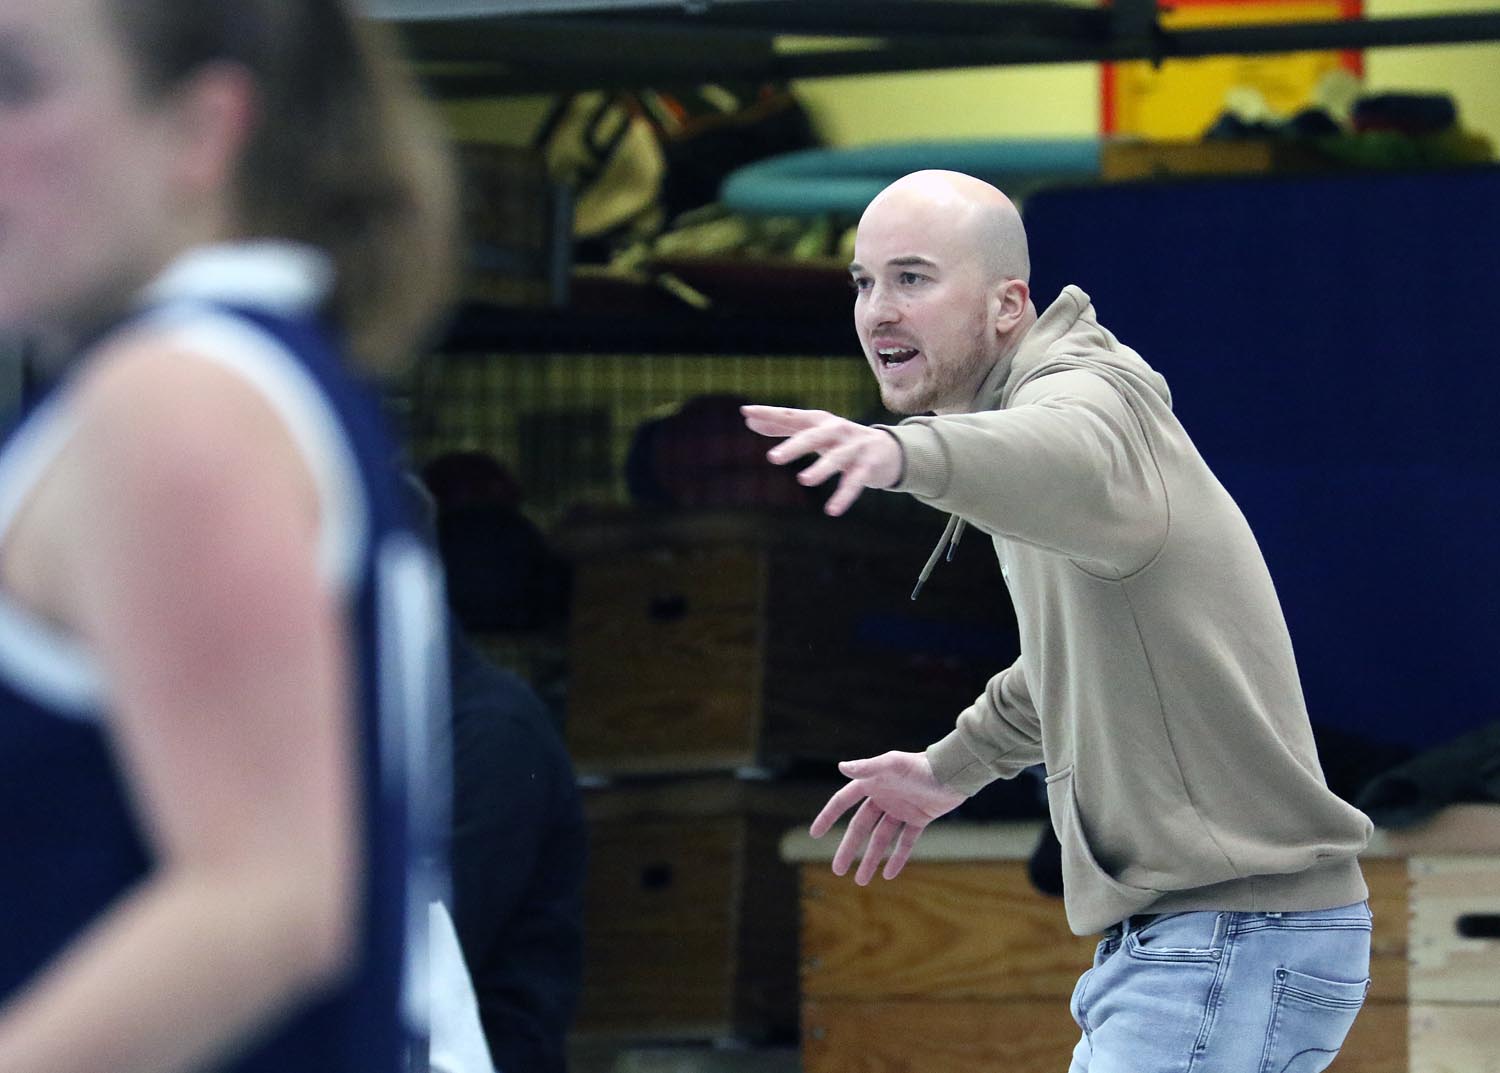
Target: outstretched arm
x=1068 y=466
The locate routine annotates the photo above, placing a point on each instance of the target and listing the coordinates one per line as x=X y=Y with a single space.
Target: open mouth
x=891 y=356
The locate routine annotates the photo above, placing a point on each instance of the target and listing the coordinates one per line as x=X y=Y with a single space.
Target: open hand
x=867 y=457
x=900 y=798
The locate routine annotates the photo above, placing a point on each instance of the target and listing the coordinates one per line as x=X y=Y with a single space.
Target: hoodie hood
x=1066 y=336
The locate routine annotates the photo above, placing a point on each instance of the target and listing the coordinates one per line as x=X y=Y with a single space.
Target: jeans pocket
x=1310 y=1017
x=1180 y=937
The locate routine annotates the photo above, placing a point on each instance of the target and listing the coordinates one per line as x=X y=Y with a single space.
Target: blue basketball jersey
x=71 y=842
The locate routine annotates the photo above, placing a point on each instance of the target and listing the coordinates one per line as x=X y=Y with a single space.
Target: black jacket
x=518 y=860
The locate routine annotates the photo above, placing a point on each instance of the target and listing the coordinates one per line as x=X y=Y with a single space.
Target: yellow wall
x=509 y=120
x=1470 y=72
x=1043 y=101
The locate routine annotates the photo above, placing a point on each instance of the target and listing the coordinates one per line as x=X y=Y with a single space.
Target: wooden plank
x=954 y=930
x=1446 y=966
x=665 y=659
x=940 y=930
x=1455 y=1038
x=1020 y=1036
x=914 y=1036
x=1377 y=1042
x=1388 y=882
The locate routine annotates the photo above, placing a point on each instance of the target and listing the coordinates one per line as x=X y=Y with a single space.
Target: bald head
x=970 y=210
x=942 y=295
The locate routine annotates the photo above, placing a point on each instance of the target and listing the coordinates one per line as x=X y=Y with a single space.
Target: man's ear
x=1011 y=298
x=213 y=117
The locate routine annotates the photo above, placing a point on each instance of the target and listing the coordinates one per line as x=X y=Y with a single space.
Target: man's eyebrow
x=899 y=262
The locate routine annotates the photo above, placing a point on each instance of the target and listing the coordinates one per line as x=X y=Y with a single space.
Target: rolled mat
x=818 y=181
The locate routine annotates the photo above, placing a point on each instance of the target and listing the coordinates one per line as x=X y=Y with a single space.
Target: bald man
x=1156 y=681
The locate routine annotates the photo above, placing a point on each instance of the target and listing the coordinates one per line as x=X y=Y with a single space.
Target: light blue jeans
x=1223 y=992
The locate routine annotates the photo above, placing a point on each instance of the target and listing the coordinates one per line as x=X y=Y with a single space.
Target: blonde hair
x=344 y=155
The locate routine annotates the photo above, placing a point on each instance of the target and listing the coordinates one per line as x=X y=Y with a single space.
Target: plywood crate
x=722 y=641
x=1455 y=964
x=690 y=915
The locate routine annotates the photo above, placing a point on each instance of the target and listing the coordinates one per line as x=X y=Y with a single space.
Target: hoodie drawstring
x=958 y=534
x=952 y=533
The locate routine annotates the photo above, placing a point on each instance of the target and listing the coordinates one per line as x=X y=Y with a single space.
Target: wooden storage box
x=723 y=641
x=960 y=965
x=1454 y=985
x=690 y=915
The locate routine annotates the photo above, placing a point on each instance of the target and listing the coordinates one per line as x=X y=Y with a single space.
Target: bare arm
x=186 y=528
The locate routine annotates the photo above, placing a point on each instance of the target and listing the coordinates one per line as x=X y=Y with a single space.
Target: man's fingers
x=850 y=488
x=779 y=420
x=880 y=841
x=909 y=835
x=845 y=798
x=833 y=461
x=856 y=836
x=822 y=438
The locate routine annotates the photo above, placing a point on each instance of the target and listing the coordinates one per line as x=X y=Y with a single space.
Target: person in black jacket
x=519 y=846
x=518 y=860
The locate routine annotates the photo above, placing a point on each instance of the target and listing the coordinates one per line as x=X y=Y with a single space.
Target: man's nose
x=880 y=309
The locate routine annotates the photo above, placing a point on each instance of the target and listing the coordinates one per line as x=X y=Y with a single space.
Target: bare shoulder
x=165 y=449
x=149 y=408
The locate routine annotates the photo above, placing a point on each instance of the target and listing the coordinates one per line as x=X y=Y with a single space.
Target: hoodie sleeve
x=1067 y=467
x=997 y=736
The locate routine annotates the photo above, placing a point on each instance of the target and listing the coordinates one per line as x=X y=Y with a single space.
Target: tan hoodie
x=1156 y=680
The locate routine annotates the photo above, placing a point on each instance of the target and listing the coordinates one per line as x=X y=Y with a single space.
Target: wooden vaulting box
x=690 y=915
x=961 y=965
x=723 y=641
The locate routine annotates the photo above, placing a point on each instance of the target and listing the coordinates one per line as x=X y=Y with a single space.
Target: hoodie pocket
x=1083 y=876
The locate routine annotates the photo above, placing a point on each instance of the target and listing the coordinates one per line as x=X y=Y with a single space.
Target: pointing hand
x=866 y=457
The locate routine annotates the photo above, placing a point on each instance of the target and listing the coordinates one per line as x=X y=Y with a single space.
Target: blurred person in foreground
x=219 y=639
x=1156 y=679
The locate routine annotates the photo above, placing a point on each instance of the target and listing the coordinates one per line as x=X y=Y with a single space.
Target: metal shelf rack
x=474 y=48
